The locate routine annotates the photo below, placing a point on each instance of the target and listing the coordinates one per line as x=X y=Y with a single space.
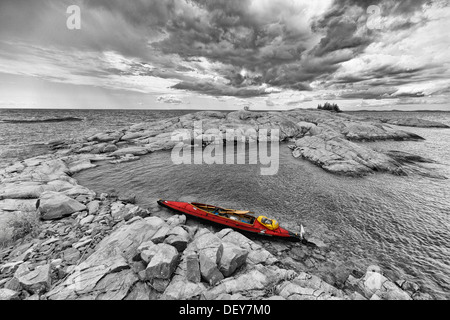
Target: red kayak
x=237 y=219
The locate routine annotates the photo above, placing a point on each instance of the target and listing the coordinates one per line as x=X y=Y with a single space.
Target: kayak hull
x=253 y=228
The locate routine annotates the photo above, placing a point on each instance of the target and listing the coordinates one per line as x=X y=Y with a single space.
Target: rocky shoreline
x=77 y=244
x=404 y=121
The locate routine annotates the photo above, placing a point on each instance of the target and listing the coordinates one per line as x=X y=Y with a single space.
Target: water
x=25 y=139
x=399 y=223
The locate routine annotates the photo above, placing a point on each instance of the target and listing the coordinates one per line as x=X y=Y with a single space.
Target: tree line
x=329 y=107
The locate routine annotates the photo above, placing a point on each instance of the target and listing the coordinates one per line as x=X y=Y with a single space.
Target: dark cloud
x=341 y=34
x=345 y=24
x=227 y=32
x=385 y=74
x=219 y=89
x=411 y=95
x=248 y=44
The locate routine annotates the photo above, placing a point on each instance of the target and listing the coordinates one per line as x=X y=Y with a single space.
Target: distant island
x=64 y=119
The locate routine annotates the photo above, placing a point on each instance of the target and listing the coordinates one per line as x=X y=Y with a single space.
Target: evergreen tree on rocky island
x=329 y=107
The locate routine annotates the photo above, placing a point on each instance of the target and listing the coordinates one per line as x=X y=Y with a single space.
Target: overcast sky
x=221 y=54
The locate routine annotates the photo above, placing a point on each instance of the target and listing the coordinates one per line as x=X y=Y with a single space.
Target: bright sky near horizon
x=225 y=54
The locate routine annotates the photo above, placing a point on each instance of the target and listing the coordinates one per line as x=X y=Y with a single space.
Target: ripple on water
x=400 y=223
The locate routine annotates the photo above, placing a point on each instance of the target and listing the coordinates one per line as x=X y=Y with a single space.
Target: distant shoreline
x=48 y=120
x=220 y=110
x=396 y=110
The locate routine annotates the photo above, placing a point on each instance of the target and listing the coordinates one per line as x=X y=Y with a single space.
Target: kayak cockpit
x=236 y=215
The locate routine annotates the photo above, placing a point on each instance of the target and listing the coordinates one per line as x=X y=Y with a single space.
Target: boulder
x=87 y=220
x=163 y=263
x=145 y=246
x=136 y=135
x=422 y=296
x=179 y=231
x=106 y=137
x=115 y=286
x=126 y=240
x=209 y=245
x=306 y=127
x=313 y=282
x=109 y=148
x=180 y=288
x=78 y=190
x=255 y=280
x=161 y=142
x=80 y=165
x=148 y=253
x=209 y=269
x=60 y=185
x=93 y=207
x=256 y=253
x=193 y=273
x=25 y=205
x=82 y=242
x=140 y=291
x=161 y=234
x=7 y=294
x=179 y=242
x=71 y=255
x=121 y=211
x=391 y=291
x=372 y=282
x=176 y=220
x=289 y=289
x=55 y=205
x=135 y=151
x=376 y=286
x=92 y=149
x=155 y=222
x=22 y=252
x=36 y=281
x=22 y=190
x=178 y=237
x=340 y=156
x=46 y=171
x=35 y=161
x=10 y=267
x=410 y=287
x=232 y=258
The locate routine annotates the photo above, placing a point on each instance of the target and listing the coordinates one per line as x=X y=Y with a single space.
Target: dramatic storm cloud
x=274 y=52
